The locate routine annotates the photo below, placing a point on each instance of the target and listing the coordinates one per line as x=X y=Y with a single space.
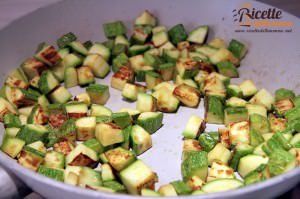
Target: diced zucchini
x=83 y=97
x=99 y=110
x=108 y=134
x=47 y=82
x=21 y=97
x=149 y=192
x=140 y=139
x=33 y=132
x=130 y=92
x=11 y=120
x=258 y=175
x=98 y=93
x=98 y=65
x=30 y=158
x=72 y=60
x=207 y=142
x=114 y=29
x=139 y=36
x=166 y=102
x=6 y=107
x=145 y=18
x=65 y=39
x=89 y=177
x=259 y=123
x=138 y=176
x=206 y=50
x=214 y=110
x=223 y=55
x=118 y=61
x=12 y=146
x=76 y=109
x=85 y=75
x=237 y=48
x=181 y=187
x=235 y=114
x=145 y=103
x=150 y=121
x=70 y=77
x=60 y=95
x=160 y=38
x=115 y=186
x=14 y=82
x=219 y=170
x=256 y=109
x=47 y=54
x=240 y=151
x=195 y=164
x=54 y=159
x=33 y=67
x=85 y=128
x=177 y=34
x=234 y=91
x=264 y=98
x=171 y=55
x=283 y=93
x=221 y=185
x=248 y=88
x=198 y=35
x=249 y=163
x=236 y=102
x=282 y=106
x=119 y=158
x=167 y=190
x=78 y=47
x=122 y=119
x=219 y=153
x=217 y=43
x=123 y=76
x=56 y=174
x=186 y=68
x=95 y=145
x=194 y=127
x=37 y=116
x=64 y=147
x=167 y=46
x=107 y=173
x=101 y=50
x=292 y=114
x=81 y=155
x=239 y=132
x=167 y=71
x=190 y=145
x=187 y=95
x=228 y=69
x=152 y=79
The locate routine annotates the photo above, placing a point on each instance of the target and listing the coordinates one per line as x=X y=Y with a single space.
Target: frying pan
x=272 y=62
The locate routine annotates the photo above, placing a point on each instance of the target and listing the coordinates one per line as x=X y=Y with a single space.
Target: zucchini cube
x=107 y=173
x=195 y=164
x=280 y=162
x=195 y=183
x=130 y=92
x=123 y=76
x=146 y=18
x=207 y=142
x=239 y=132
x=30 y=158
x=138 y=49
x=85 y=75
x=227 y=69
x=10 y=120
x=89 y=178
x=167 y=71
x=38 y=116
x=181 y=187
x=98 y=93
x=166 y=101
x=214 y=110
x=15 y=82
x=221 y=185
x=282 y=106
x=224 y=54
x=238 y=49
x=12 y=146
x=54 y=160
x=141 y=140
x=198 y=35
x=60 y=95
x=194 y=127
x=284 y=93
x=160 y=38
x=121 y=39
x=56 y=174
x=256 y=109
x=76 y=110
x=187 y=95
x=177 y=34
x=259 y=123
x=6 y=107
x=114 y=29
x=47 y=82
x=100 y=49
x=190 y=145
x=32 y=67
x=65 y=39
x=248 y=88
x=186 y=68
x=99 y=110
x=97 y=64
x=219 y=170
x=150 y=121
x=64 y=147
x=72 y=60
x=149 y=192
x=108 y=134
x=277 y=124
x=122 y=119
x=47 y=54
x=152 y=79
x=235 y=114
x=118 y=61
x=217 y=43
x=70 y=77
x=85 y=128
x=139 y=36
x=138 y=176
x=115 y=186
x=84 y=98
x=39 y=146
x=145 y=103
x=249 y=163
x=81 y=155
x=33 y=132
x=120 y=158
x=234 y=91
x=167 y=190
x=264 y=98
x=236 y=102
x=94 y=144
x=219 y=153
x=240 y=151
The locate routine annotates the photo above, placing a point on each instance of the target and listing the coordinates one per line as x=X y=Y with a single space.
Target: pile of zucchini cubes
x=79 y=141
